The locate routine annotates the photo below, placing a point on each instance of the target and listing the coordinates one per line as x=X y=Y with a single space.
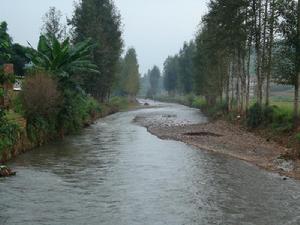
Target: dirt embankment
x=225 y=138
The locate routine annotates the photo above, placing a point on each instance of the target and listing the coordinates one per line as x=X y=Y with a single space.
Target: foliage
x=186 y=67
x=17 y=104
x=12 y=53
x=130 y=76
x=6 y=78
x=8 y=132
x=118 y=103
x=255 y=116
x=62 y=59
x=100 y=21
x=40 y=96
x=298 y=137
x=171 y=74
x=19 y=58
x=277 y=118
x=75 y=111
x=154 y=77
x=199 y=102
x=52 y=26
x=5 y=44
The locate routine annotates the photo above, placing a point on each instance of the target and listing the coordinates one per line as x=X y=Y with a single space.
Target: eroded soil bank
x=222 y=137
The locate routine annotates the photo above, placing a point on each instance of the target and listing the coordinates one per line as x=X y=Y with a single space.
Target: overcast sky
x=156 y=28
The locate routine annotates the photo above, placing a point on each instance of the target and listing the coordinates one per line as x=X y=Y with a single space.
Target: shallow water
x=116 y=173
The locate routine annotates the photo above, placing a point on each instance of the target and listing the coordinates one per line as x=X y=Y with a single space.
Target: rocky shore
x=224 y=138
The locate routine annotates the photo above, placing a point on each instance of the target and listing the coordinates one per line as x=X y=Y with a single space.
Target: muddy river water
x=116 y=173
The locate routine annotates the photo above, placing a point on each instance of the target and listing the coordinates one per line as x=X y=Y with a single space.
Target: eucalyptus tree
x=170 y=75
x=154 y=78
x=186 y=67
x=53 y=25
x=130 y=76
x=289 y=28
x=99 y=20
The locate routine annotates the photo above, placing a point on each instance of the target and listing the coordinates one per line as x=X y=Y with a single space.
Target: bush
x=17 y=105
x=118 y=103
x=92 y=107
x=255 y=116
x=279 y=119
x=298 y=137
x=8 y=132
x=40 y=96
x=199 y=102
x=282 y=120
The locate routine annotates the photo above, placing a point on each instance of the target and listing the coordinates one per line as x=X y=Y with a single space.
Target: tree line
x=240 y=42
x=74 y=74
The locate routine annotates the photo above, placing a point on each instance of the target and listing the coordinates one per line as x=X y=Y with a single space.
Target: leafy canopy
x=61 y=58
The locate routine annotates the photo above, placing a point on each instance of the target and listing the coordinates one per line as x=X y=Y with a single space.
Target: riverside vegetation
x=243 y=65
x=69 y=80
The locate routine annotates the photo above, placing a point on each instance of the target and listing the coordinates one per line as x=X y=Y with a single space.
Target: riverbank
x=24 y=143
x=226 y=138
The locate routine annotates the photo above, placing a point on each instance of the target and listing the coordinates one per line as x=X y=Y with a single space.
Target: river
x=116 y=173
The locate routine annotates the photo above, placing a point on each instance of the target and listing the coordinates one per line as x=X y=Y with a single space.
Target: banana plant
x=62 y=58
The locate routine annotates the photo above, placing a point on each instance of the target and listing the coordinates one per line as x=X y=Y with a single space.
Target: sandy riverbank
x=225 y=138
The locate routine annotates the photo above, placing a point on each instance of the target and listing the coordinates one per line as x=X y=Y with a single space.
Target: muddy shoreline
x=225 y=138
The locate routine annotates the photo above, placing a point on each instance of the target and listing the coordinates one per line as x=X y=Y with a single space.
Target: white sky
x=156 y=28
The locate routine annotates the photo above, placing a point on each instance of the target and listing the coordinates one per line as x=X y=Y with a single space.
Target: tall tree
x=130 y=76
x=53 y=25
x=5 y=44
x=100 y=21
x=171 y=75
x=186 y=67
x=154 y=81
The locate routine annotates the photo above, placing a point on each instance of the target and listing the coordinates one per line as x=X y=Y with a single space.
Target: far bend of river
x=116 y=173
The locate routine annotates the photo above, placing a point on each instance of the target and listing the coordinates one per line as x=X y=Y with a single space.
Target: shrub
x=92 y=107
x=118 y=103
x=17 y=105
x=298 y=137
x=73 y=112
x=279 y=119
x=40 y=96
x=199 y=102
x=255 y=116
x=8 y=132
x=282 y=120
x=40 y=130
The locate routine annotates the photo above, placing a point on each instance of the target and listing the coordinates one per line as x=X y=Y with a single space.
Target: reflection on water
x=115 y=173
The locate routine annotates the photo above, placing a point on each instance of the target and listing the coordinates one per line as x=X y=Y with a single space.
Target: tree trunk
x=271 y=41
x=257 y=7
x=296 y=100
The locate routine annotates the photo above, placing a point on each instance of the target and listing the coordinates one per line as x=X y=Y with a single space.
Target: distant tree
x=53 y=26
x=171 y=74
x=130 y=79
x=19 y=58
x=145 y=84
x=154 y=77
x=186 y=67
x=100 y=21
x=5 y=44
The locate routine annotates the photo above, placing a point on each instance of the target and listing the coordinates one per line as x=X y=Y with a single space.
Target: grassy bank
x=274 y=122
x=18 y=135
